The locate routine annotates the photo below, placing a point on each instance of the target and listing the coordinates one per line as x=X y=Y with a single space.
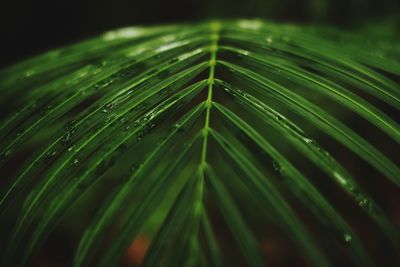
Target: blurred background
x=29 y=27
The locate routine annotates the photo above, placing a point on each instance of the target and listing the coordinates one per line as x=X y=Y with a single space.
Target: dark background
x=29 y=27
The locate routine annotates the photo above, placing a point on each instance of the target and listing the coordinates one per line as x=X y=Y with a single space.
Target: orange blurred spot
x=274 y=251
x=136 y=251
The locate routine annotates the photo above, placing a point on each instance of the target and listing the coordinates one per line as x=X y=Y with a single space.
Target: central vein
x=215 y=28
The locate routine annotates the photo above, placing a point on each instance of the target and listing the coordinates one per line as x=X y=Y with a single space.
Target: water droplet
x=276 y=166
x=347 y=237
x=75 y=161
x=66 y=140
x=45 y=110
x=269 y=40
x=122 y=120
x=29 y=73
x=244 y=52
x=178 y=127
x=5 y=155
x=174 y=60
x=363 y=202
x=340 y=178
x=123 y=33
x=69 y=125
x=250 y=24
x=307 y=140
x=135 y=167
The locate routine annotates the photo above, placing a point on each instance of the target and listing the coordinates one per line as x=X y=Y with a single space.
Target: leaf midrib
x=214 y=37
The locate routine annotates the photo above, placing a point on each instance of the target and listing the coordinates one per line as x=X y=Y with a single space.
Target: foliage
x=170 y=132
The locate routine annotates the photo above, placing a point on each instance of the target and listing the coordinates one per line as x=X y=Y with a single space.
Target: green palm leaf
x=167 y=132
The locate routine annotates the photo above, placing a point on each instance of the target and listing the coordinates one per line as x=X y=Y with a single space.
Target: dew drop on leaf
x=135 y=167
x=29 y=73
x=307 y=140
x=70 y=125
x=347 y=237
x=122 y=120
x=343 y=181
x=50 y=155
x=178 y=127
x=364 y=203
x=5 y=155
x=66 y=140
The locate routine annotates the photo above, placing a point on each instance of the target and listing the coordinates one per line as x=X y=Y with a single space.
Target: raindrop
x=75 y=161
x=52 y=154
x=66 y=140
x=123 y=33
x=307 y=140
x=29 y=73
x=122 y=120
x=178 y=127
x=340 y=178
x=364 y=203
x=244 y=52
x=135 y=167
x=347 y=237
x=276 y=166
x=69 y=125
x=5 y=155
x=250 y=24
x=174 y=60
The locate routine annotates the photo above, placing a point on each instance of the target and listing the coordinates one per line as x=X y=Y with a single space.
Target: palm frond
x=170 y=132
